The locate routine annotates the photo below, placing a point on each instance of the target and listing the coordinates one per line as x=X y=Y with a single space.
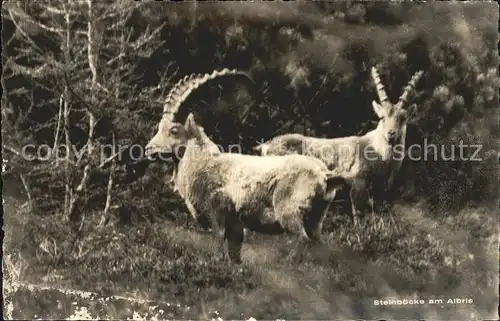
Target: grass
x=411 y=254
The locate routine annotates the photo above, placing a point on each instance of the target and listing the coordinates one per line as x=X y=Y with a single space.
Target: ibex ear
x=191 y=127
x=378 y=109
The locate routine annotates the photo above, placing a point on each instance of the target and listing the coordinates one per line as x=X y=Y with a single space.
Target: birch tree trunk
x=92 y=61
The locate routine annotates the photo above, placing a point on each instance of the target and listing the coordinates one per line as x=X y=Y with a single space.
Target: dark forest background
x=88 y=74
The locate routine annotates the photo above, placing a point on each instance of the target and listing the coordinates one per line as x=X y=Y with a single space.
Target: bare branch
x=109 y=188
x=54 y=10
x=102 y=88
x=68 y=190
x=90 y=150
x=16 y=10
x=148 y=38
x=91 y=44
x=92 y=61
x=12 y=150
x=284 y=128
x=109 y=159
x=111 y=61
x=36 y=73
x=68 y=195
x=22 y=32
x=24 y=155
x=27 y=189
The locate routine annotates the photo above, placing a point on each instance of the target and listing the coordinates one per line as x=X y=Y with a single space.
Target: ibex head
x=172 y=134
x=393 y=117
x=172 y=137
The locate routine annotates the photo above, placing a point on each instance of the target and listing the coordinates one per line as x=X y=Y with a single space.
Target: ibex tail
x=334 y=182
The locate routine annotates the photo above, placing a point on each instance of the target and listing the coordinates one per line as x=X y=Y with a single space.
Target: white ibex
x=265 y=194
x=373 y=158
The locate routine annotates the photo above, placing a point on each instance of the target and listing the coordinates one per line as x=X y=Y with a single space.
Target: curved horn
x=411 y=85
x=184 y=87
x=378 y=84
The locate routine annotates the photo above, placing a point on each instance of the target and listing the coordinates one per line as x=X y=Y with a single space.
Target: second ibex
x=362 y=160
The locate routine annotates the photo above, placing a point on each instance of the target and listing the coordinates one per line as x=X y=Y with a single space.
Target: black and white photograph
x=250 y=160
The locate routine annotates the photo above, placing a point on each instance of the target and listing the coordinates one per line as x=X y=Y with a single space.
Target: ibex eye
x=174 y=131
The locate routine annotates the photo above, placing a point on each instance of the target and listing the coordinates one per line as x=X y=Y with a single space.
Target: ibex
x=367 y=160
x=270 y=195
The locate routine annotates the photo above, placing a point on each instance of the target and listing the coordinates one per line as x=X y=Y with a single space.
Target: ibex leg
x=234 y=234
x=313 y=221
x=359 y=197
x=220 y=207
x=218 y=234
